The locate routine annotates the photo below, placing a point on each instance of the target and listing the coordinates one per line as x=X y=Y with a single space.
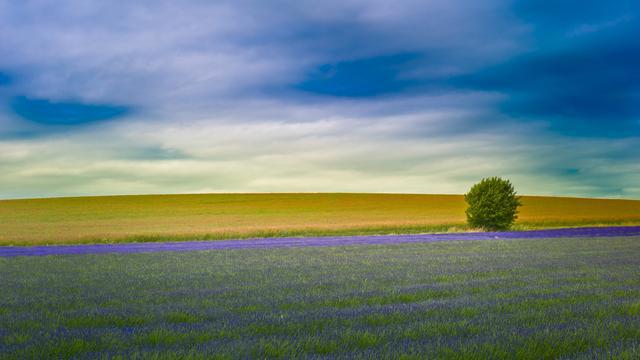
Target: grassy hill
x=219 y=216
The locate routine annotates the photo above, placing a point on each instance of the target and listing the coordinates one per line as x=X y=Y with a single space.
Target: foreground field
x=527 y=299
x=224 y=216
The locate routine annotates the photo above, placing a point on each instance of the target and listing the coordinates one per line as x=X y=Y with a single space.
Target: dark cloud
x=552 y=18
x=151 y=153
x=581 y=76
x=5 y=79
x=48 y=112
x=364 y=77
x=587 y=87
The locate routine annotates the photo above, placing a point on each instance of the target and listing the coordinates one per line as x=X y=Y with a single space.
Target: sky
x=416 y=96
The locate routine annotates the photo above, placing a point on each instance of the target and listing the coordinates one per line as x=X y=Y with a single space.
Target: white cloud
x=326 y=152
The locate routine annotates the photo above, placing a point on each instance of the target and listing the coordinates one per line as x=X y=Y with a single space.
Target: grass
x=225 y=216
x=519 y=299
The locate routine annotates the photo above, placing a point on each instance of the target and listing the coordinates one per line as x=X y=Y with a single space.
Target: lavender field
x=604 y=231
x=548 y=298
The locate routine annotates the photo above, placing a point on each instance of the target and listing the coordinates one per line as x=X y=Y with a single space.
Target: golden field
x=220 y=216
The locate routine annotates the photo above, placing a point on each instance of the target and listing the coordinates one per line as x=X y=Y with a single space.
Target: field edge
x=309 y=232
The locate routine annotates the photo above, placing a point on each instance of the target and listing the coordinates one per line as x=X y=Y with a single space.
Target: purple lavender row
x=11 y=251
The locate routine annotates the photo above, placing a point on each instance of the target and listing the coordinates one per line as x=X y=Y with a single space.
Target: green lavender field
x=523 y=299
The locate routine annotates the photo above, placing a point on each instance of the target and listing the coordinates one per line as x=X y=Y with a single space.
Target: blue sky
x=126 y=97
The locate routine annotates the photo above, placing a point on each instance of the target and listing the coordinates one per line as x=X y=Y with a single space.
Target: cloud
x=46 y=112
x=554 y=20
x=586 y=29
x=363 y=77
x=5 y=79
x=587 y=87
x=159 y=53
x=349 y=95
x=324 y=152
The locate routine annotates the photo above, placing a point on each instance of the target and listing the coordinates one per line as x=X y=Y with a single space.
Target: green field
x=220 y=216
x=518 y=299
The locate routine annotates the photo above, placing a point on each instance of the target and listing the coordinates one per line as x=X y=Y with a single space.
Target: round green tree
x=493 y=204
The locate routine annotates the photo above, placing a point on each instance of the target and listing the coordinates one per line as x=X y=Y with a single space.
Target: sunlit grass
x=228 y=216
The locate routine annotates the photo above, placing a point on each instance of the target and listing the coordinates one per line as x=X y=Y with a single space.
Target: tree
x=493 y=204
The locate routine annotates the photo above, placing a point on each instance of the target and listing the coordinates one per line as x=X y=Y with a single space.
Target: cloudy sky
x=415 y=96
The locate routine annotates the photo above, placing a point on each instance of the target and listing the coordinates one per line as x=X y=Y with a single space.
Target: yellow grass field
x=218 y=216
